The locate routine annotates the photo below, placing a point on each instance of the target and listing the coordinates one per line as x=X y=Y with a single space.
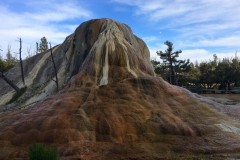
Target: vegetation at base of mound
x=17 y=95
x=42 y=152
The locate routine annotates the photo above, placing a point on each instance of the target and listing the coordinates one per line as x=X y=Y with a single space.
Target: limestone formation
x=110 y=104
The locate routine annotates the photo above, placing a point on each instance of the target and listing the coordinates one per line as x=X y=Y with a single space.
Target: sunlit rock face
x=110 y=104
x=106 y=51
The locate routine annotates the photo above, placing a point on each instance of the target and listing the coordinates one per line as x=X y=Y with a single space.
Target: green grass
x=17 y=95
x=42 y=152
x=192 y=158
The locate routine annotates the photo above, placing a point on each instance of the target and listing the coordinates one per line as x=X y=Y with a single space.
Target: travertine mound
x=105 y=51
x=111 y=106
x=99 y=52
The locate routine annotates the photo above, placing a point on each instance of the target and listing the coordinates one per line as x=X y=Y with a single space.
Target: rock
x=110 y=104
x=105 y=51
x=98 y=52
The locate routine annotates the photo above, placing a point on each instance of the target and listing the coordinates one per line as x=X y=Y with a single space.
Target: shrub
x=42 y=152
x=17 y=95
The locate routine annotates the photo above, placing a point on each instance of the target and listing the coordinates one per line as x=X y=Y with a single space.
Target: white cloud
x=227 y=42
x=129 y=2
x=150 y=39
x=185 y=12
x=231 y=41
x=194 y=55
x=204 y=55
x=41 y=18
x=197 y=23
x=59 y=12
x=154 y=49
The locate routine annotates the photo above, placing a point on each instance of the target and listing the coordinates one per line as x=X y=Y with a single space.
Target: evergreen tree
x=10 y=60
x=4 y=66
x=235 y=67
x=43 y=46
x=160 y=69
x=170 y=61
x=223 y=74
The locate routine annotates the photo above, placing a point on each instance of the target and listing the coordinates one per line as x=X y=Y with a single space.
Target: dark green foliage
x=17 y=95
x=213 y=74
x=5 y=65
x=43 y=46
x=10 y=60
x=222 y=74
x=171 y=67
x=2 y=65
x=159 y=68
x=42 y=152
x=8 y=63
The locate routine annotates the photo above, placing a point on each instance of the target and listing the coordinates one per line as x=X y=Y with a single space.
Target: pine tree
x=43 y=46
x=10 y=60
x=170 y=61
x=4 y=66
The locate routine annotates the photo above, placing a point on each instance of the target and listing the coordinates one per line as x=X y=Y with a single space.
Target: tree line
x=223 y=74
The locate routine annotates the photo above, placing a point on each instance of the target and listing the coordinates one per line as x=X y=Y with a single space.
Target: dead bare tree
x=20 y=58
x=29 y=52
x=4 y=68
x=37 y=48
x=54 y=67
x=9 y=82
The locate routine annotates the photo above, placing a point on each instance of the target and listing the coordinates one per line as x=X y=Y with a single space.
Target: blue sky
x=200 y=28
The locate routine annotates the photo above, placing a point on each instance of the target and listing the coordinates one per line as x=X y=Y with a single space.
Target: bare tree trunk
x=9 y=82
x=54 y=67
x=173 y=76
x=36 y=47
x=21 y=63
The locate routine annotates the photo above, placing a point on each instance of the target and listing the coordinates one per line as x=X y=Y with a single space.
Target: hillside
x=110 y=104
